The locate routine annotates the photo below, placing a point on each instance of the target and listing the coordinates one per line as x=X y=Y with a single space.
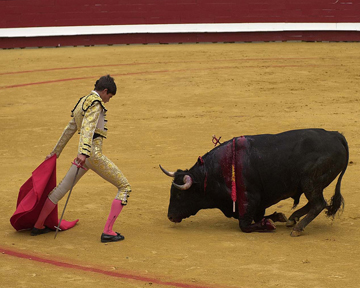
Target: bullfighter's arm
x=68 y=132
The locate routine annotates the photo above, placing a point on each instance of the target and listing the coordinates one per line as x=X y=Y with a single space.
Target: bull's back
x=283 y=160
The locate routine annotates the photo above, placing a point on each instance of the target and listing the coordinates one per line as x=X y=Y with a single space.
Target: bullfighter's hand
x=80 y=159
x=49 y=156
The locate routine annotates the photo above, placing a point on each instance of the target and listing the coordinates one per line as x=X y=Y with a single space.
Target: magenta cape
x=32 y=196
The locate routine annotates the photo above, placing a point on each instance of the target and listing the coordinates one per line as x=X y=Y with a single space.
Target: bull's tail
x=337 y=201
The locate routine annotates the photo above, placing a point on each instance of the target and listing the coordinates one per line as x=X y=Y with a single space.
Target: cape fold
x=32 y=196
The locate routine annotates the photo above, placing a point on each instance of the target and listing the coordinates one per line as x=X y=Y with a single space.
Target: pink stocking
x=116 y=208
x=45 y=211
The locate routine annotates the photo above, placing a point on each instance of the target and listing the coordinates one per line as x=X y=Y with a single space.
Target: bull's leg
x=277 y=217
x=265 y=225
x=294 y=218
x=259 y=215
x=261 y=224
x=316 y=206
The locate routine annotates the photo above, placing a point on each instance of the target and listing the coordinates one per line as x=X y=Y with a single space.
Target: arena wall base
x=169 y=38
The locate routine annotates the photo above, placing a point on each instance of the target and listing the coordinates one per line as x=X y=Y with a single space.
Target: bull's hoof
x=269 y=225
x=295 y=233
x=290 y=223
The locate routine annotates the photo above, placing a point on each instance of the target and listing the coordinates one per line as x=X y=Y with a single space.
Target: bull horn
x=170 y=174
x=187 y=183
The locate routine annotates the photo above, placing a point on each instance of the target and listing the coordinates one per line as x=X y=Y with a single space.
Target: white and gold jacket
x=88 y=118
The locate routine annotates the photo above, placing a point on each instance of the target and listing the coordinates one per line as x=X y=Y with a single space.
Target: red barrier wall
x=42 y=13
x=35 y=13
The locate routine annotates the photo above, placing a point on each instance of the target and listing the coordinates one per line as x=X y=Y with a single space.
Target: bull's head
x=184 y=197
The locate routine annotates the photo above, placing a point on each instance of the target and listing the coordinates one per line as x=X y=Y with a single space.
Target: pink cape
x=32 y=196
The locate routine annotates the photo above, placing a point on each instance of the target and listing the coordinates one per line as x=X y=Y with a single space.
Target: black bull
x=267 y=169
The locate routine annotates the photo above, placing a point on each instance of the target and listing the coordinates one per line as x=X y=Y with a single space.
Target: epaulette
x=72 y=111
x=90 y=100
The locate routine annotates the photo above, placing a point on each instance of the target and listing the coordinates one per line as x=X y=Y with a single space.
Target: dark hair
x=106 y=82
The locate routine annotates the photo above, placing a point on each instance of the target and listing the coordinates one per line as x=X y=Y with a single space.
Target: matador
x=89 y=120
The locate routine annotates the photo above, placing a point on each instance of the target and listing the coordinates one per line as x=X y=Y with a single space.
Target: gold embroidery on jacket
x=89 y=117
x=87 y=130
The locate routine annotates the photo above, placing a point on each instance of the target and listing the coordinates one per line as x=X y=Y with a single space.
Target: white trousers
x=101 y=165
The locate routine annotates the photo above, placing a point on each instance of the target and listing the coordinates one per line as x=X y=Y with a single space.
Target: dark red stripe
x=150 y=63
x=159 y=71
x=99 y=271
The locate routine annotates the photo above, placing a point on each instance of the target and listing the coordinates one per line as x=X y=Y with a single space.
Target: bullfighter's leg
x=105 y=168
x=317 y=204
x=295 y=217
x=54 y=197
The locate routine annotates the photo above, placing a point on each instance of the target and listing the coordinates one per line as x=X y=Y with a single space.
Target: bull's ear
x=200 y=161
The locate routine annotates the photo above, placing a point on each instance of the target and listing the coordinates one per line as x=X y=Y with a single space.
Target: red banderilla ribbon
x=233 y=176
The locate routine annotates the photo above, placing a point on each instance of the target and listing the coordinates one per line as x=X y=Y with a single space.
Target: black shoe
x=36 y=231
x=111 y=238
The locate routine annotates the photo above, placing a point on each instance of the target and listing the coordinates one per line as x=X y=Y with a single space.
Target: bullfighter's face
x=105 y=96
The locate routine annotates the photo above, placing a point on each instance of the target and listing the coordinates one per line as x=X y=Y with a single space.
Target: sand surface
x=171 y=99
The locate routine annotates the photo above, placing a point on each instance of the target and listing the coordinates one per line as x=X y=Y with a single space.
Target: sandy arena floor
x=171 y=100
